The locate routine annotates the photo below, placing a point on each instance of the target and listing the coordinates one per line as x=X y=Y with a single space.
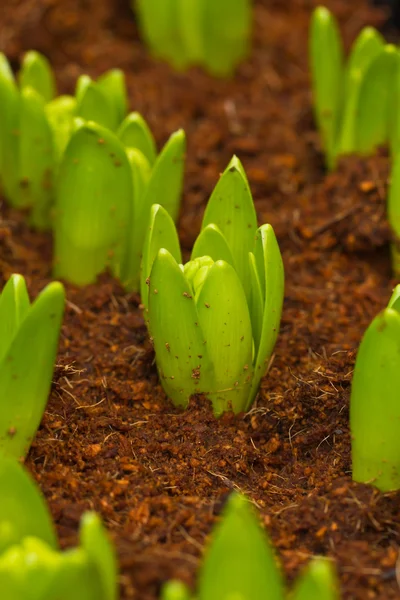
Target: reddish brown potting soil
x=110 y=440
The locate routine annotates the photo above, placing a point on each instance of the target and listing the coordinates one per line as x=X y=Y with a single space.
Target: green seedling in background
x=374 y=402
x=240 y=563
x=31 y=566
x=354 y=103
x=93 y=208
x=228 y=310
x=103 y=101
x=28 y=347
x=214 y=35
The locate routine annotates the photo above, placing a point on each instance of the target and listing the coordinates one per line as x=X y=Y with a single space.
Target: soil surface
x=110 y=440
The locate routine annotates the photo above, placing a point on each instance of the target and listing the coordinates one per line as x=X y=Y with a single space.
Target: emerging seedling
x=355 y=104
x=240 y=563
x=212 y=34
x=214 y=321
x=28 y=347
x=374 y=405
x=31 y=566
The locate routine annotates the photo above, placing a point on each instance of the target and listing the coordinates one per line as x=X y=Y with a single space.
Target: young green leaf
x=326 y=60
x=93 y=206
x=141 y=172
x=190 y=17
x=165 y=185
x=231 y=208
x=239 y=562
x=226 y=34
x=225 y=323
x=270 y=272
x=317 y=582
x=100 y=553
x=26 y=371
x=112 y=84
x=93 y=105
x=37 y=74
x=14 y=305
x=374 y=405
x=372 y=125
x=135 y=133
x=61 y=113
x=211 y=242
x=175 y=590
x=9 y=102
x=394 y=301
x=161 y=233
x=365 y=49
x=182 y=358
x=23 y=511
x=158 y=23
x=256 y=304
x=34 y=186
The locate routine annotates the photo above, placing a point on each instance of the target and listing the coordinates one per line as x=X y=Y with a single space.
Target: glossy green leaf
x=225 y=323
x=100 y=553
x=317 y=582
x=161 y=233
x=226 y=33
x=61 y=113
x=165 y=185
x=23 y=511
x=326 y=63
x=181 y=352
x=93 y=206
x=211 y=242
x=112 y=84
x=93 y=105
x=141 y=172
x=271 y=277
x=14 y=305
x=175 y=590
x=374 y=405
x=36 y=160
x=393 y=212
x=372 y=127
x=27 y=369
x=239 y=562
x=135 y=133
x=364 y=50
x=36 y=73
x=231 y=208
x=394 y=301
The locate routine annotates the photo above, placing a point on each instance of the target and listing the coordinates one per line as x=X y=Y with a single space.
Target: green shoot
x=93 y=209
x=37 y=74
x=27 y=352
x=374 y=406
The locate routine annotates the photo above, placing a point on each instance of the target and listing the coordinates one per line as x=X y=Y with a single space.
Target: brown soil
x=110 y=440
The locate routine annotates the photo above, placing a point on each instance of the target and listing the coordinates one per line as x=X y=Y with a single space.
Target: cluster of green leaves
x=240 y=564
x=85 y=168
x=215 y=35
x=355 y=103
x=28 y=346
x=227 y=299
x=31 y=565
x=374 y=402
